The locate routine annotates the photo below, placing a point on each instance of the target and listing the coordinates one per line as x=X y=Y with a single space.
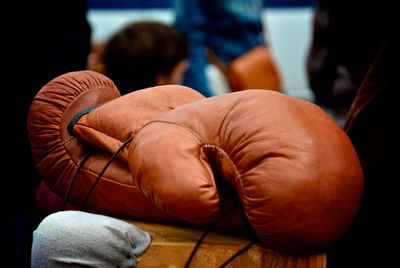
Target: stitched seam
x=194 y=134
x=65 y=142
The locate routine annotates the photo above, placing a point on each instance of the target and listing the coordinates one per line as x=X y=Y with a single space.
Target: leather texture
x=291 y=168
x=58 y=153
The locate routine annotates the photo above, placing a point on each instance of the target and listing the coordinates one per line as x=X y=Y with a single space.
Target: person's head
x=144 y=54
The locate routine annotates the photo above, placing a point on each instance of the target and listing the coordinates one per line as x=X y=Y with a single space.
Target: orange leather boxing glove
x=78 y=169
x=294 y=169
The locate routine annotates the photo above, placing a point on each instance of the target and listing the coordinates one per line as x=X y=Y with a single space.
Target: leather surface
x=294 y=169
x=58 y=153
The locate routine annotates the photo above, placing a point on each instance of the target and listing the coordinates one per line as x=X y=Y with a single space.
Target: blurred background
x=287 y=26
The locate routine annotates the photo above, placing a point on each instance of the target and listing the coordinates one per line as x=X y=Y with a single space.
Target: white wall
x=104 y=22
x=290 y=35
x=287 y=29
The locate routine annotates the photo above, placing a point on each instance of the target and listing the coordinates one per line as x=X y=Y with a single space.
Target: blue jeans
x=228 y=27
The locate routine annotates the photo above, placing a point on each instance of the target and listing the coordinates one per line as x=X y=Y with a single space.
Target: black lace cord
x=123 y=145
x=198 y=243
x=196 y=247
x=76 y=172
x=242 y=250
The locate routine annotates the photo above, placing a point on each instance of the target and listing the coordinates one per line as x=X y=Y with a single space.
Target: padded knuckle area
x=169 y=166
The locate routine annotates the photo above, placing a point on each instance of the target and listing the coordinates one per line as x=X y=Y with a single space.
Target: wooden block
x=172 y=245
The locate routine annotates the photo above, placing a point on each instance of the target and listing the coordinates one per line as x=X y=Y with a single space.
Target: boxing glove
x=78 y=169
x=295 y=171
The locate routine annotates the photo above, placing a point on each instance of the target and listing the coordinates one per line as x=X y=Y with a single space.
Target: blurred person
x=371 y=127
x=142 y=54
x=344 y=43
x=50 y=38
x=356 y=42
x=227 y=28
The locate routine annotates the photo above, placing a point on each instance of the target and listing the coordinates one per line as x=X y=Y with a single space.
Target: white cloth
x=81 y=239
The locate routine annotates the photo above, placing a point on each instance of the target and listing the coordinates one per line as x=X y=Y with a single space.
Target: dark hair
x=138 y=52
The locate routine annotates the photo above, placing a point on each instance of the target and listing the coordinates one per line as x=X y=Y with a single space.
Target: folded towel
x=81 y=239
